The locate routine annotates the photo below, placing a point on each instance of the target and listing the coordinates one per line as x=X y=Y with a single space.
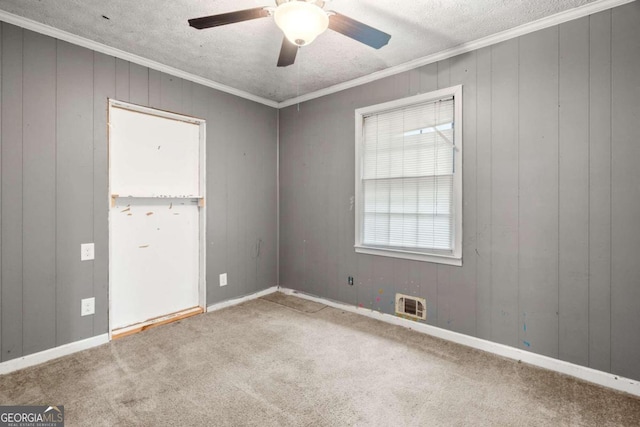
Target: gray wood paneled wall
x=551 y=195
x=53 y=136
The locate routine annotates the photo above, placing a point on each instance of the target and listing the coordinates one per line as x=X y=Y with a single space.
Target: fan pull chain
x=298 y=80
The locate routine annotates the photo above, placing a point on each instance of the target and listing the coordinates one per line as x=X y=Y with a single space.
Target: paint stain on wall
x=381 y=291
x=126 y=210
x=377 y=299
x=527 y=343
x=149 y=213
x=143 y=246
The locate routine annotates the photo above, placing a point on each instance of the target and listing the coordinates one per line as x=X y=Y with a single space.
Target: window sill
x=414 y=256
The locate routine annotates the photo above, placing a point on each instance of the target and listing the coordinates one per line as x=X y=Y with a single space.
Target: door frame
x=202 y=209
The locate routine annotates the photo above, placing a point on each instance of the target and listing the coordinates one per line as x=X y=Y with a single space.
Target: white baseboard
x=52 y=353
x=605 y=379
x=66 y=349
x=236 y=301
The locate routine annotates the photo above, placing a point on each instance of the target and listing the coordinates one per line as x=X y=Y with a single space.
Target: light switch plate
x=223 y=279
x=87 y=251
x=87 y=306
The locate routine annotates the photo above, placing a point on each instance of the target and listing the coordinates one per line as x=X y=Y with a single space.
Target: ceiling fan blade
x=288 y=53
x=228 y=18
x=358 y=31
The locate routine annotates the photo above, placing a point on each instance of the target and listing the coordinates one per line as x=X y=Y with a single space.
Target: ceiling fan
x=301 y=21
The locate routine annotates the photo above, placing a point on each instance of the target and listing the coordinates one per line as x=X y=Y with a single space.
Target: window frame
x=456 y=257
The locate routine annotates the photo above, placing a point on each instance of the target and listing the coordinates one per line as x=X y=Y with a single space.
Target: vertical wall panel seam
x=55 y=213
x=610 y=188
x=589 y=193
x=437 y=265
x=518 y=231
x=558 y=189
x=476 y=201
x=277 y=197
x=93 y=186
x=114 y=94
x=22 y=191
x=226 y=196
x=305 y=180
x=490 y=192
x=1 y=93
x=93 y=183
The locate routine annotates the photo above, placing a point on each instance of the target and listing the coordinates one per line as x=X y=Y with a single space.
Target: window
x=409 y=178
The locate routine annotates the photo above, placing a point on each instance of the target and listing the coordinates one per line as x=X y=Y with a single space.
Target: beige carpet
x=283 y=361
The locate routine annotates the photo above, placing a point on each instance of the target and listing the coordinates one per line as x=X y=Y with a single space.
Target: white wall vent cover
x=409 y=306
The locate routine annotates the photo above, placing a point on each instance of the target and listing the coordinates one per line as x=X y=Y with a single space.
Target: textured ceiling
x=244 y=55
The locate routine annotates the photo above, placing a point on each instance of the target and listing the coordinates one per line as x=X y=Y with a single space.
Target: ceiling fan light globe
x=300 y=21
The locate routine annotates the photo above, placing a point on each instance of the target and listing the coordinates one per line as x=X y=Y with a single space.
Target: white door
x=156 y=218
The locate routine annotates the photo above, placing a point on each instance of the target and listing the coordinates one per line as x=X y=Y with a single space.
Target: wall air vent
x=413 y=307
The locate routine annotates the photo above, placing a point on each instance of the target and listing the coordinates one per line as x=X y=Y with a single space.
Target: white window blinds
x=407 y=178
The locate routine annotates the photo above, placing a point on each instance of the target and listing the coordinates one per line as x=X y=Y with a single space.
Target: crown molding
x=549 y=21
x=38 y=27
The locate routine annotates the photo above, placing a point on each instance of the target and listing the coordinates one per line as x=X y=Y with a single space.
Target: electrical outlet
x=87 y=251
x=223 y=279
x=350 y=280
x=87 y=306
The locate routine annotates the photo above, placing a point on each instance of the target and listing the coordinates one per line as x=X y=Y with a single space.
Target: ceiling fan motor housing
x=301 y=21
x=319 y=3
